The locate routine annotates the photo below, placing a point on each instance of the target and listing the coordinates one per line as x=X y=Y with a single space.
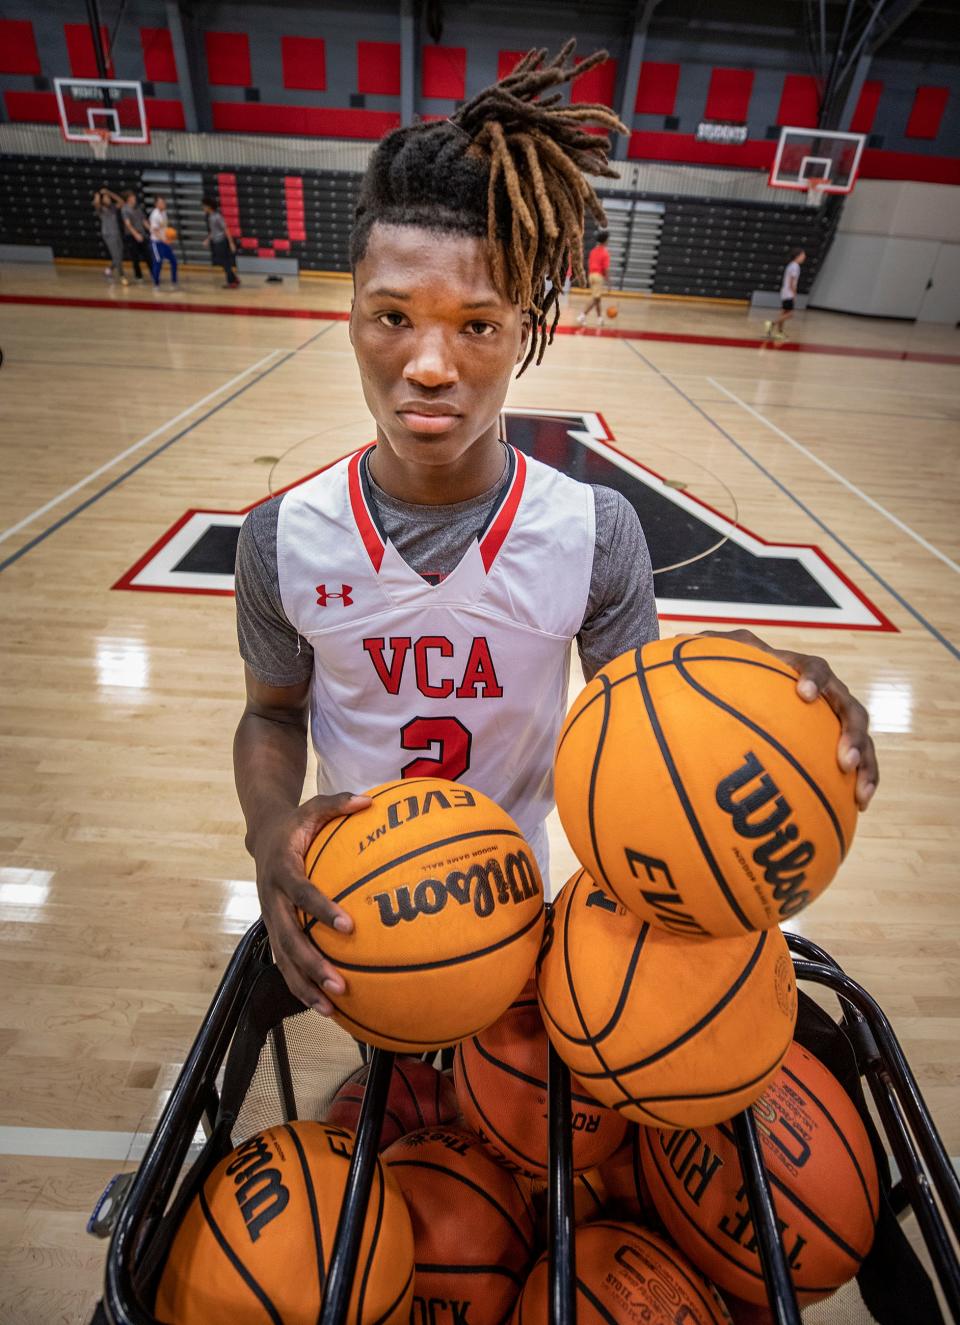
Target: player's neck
x=475 y=471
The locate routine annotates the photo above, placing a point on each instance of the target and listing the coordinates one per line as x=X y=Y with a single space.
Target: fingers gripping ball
x=698 y=787
x=627 y=1275
x=669 y=1032
x=447 y=906
x=501 y=1082
x=256 y=1241
x=419 y=1096
x=822 y=1175
x=473 y=1227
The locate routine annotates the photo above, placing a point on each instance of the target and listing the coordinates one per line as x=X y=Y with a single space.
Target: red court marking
x=167 y=305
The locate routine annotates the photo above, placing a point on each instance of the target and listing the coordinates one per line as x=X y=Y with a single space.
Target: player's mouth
x=428 y=417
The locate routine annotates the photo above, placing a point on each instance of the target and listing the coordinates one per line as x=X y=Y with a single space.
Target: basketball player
x=107 y=206
x=159 y=248
x=598 y=269
x=788 y=295
x=419 y=598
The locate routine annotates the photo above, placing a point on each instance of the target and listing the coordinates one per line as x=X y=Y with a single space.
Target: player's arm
x=270 y=760
x=856 y=748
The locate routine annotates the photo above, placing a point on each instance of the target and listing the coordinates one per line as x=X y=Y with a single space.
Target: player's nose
x=432 y=363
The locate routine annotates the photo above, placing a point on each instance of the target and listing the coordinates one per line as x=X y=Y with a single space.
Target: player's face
x=435 y=340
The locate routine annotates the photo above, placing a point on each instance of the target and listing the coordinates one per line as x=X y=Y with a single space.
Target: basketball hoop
x=816 y=191
x=99 y=140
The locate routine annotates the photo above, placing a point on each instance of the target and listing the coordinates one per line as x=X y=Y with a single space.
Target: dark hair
x=796 y=253
x=508 y=167
x=208 y=202
x=602 y=236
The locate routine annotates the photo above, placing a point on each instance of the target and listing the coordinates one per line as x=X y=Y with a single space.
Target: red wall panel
x=31 y=107
x=444 y=72
x=799 y=101
x=228 y=58
x=378 y=68
x=41 y=108
x=929 y=103
x=596 y=84
x=754 y=154
x=507 y=61
x=657 y=88
x=308 y=121
x=729 y=95
x=18 y=50
x=83 y=62
x=159 y=62
x=163 y=113
x=304 y=62
x=867 y=103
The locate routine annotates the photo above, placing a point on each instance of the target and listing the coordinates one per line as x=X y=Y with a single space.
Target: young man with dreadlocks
x=419 y=598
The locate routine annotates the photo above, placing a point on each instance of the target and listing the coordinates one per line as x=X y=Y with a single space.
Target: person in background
x=598 y=269
x=107 y=206
x=222 y=245
x=788 y=293
x=136 y=234
x=160 y=249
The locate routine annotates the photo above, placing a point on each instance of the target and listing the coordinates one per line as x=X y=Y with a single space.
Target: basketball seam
x=374 y=1238
x=466 y=1182
x=259 y=1293
x=399 y=1298
x=412 y=967
x=312 y=1202
x=594 y=774
x=384 y=791
x=399 y=1072
x=685 y=803
x=644 y=1100
x=697 y=1288
x=721 y=1251
x=874 y=1214
x=412 y=855
x=595 y=1302
x=396 y=1040
x=770 y=739
x=425 y=1267
x=538 y=1167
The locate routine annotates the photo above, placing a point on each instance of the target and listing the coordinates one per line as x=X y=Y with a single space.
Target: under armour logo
x=344 y=595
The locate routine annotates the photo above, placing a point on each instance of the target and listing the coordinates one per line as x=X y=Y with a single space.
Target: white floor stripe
x=67 y=1143
x=852 y=487
x=136 y=446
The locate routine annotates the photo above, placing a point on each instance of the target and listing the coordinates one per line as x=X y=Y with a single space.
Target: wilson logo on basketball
x=745 y=794
x=260 y=1192
x=483 y=887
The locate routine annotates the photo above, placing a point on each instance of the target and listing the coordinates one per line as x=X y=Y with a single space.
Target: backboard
x=89 y=106
x=821 y=154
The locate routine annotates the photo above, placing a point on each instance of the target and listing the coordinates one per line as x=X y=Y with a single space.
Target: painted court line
x=136 y=446
x=73 y=1143
x=791 y=496
x=851 y=487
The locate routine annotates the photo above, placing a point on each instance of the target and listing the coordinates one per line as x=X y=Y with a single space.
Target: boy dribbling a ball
x=419 y=598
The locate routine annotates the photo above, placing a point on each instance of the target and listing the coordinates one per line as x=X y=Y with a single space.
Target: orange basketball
x=501 y=1082
x=473 y=1226
x=612 y=310
x=447 y=906
x=822 y=1175
x=625 y=1191
x=625 y=1275
x=171 y=234
x=256 y=1241
x=419 y=1096
x=589 y=1199
x=698 y=787
x=669 y=1032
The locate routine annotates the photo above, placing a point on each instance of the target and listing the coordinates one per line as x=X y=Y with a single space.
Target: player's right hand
x=283 y=886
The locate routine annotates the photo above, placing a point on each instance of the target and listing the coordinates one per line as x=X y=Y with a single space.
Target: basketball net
x=816 y=191
x=99 y=141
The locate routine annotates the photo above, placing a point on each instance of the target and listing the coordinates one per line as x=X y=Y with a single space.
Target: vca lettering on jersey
x=472 y=677
x=482 y=887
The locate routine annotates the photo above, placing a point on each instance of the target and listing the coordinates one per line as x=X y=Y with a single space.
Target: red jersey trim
x=361 y=514
x=493 y=539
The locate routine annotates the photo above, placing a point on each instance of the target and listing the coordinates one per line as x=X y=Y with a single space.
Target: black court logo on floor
x=706 y=567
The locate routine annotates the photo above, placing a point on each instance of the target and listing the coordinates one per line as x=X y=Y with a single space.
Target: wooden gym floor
x=124 y=884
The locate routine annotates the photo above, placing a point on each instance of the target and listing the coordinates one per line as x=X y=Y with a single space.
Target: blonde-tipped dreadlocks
x=509 y=167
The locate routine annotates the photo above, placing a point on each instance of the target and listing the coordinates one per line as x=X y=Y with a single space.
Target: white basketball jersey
x=462 y=679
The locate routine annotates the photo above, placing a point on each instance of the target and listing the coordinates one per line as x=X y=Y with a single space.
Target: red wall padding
x=596 y=84
x=378 y=68
x=867 y=103
x=41 y=108
x=657 y=88
x=929 y=103
x=507 y=61
x=18 y=50
x=799 y=101
x=164 y=113
x=83 y=62
x=308 y=121
x=304 y=62
x=159 y=62
x=754 y=154
x=444 y=72
x=729 y=95
x=31 y=107
x=228 y=58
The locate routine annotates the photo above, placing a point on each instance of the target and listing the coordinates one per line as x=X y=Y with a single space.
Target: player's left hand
x=855 y=748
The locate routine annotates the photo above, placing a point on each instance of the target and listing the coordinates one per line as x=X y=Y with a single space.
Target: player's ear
x=525 y=325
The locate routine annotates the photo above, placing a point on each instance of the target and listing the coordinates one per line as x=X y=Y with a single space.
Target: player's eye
x=482 y=328
x=391 y=319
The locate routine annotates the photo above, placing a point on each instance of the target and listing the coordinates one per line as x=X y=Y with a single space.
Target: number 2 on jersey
x=448 y=742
